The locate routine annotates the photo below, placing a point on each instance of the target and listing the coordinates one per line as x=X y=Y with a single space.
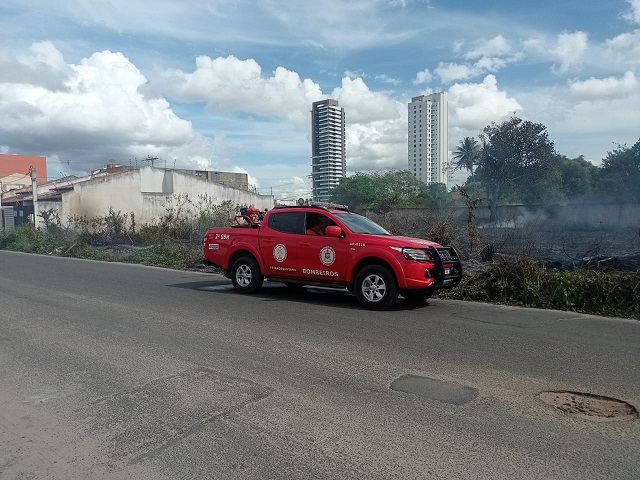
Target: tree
x=577 y=176
x=466 y=154
x=513 y=155
x=357 y=191
x=382 y=191
x=620 y=174
x=435 y=195
x=398 y=188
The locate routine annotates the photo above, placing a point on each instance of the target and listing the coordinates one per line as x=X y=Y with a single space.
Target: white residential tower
x=428 y=137
x=328 y=148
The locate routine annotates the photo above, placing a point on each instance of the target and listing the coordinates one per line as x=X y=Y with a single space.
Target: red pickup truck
x=347 y=251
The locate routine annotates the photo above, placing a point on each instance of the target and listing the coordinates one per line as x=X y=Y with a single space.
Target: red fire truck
x=346 y=250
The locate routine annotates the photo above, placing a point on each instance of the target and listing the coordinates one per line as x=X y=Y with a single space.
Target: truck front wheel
x=245 y=275
x=417 y=295
x=376 y=288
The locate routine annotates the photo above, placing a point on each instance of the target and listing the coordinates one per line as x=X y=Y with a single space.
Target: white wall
x=146 y=192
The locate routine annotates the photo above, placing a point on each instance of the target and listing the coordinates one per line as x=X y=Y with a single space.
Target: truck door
x=322 y=258
x=278 y=243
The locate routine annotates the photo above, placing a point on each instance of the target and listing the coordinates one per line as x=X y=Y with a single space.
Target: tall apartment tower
x=328 y=148
x=428 y=137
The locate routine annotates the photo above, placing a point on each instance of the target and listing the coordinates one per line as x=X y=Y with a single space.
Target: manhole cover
x=433 y=389
x=591 y=407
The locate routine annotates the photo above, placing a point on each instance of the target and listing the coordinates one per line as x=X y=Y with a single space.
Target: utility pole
x=34 y=190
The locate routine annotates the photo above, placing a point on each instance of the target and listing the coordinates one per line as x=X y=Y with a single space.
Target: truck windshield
x=359 y=224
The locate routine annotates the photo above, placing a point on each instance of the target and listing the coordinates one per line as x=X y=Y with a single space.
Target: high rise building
x=428 y=137
x=328 y=148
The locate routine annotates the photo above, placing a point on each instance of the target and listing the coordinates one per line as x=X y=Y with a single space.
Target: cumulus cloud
x=423 y=77
x=230 y=84
x=387 y=79
x=376 y=127
x=449 y=72
x=89 y=112
x=473 y=106
x=570 y=49
x=610 y=87
x=633 y=14
x=42 y=65
x=496 y=47
x=624 y=49
x=485 y=56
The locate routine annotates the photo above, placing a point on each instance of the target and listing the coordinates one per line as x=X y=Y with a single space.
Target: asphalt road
x=123 y=371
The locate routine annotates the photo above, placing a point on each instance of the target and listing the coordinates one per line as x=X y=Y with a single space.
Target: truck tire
x=376 y=287
x=245 y=275
x=417 y=295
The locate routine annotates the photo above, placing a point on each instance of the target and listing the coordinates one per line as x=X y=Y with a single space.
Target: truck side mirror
x=333 y=231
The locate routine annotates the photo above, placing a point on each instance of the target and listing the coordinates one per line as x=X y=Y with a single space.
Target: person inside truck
x=314 y=226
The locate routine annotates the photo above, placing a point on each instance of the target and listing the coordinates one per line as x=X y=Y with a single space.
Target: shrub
x=523 y=281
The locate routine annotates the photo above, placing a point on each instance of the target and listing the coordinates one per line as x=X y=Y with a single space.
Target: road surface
x=122 y=371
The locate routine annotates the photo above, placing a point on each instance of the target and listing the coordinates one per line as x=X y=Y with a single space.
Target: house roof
x=21 y=164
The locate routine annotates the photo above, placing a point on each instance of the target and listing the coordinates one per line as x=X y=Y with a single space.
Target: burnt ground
x=617 y=250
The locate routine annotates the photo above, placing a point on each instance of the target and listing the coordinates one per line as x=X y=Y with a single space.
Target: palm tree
x=467 y=154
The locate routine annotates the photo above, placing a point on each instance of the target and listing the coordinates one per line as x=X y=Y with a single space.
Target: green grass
x=169 y=253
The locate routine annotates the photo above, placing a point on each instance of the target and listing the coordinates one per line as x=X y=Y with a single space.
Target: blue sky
x=228 y=84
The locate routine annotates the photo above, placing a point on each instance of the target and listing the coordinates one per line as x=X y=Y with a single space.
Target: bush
x=168 y=254
x=26 y=239
x=523 y=281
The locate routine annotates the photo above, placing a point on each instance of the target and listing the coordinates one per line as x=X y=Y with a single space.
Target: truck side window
x=287 y=222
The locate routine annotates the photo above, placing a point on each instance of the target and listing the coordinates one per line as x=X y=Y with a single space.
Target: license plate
x=447 y=271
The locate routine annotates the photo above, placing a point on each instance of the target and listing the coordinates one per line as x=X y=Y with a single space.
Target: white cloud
x=42 y=64
x=229 y=84
x=423 y=77
x=589 y=119
x=570 y=49
x=376 y=127
x=473 y=106
x=610 y=87
x=498 y=46
x=624 y=49
x=486 y=56
x=449 y=72
x=93 y=112
x=390 y=80
x=633 y=15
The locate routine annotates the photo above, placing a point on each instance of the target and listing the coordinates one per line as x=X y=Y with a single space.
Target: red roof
x=22 y=164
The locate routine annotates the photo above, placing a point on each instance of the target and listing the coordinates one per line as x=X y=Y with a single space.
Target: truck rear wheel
x=376 y=288
x=245 y=275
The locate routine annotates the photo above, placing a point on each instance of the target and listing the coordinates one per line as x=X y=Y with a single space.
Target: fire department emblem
x=327 y=256
x=280 y=252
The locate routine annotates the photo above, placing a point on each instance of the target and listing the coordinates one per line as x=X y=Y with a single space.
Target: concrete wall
x=229 y=179
x=146 y=192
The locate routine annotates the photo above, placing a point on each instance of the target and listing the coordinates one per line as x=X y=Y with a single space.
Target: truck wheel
x=245 y=275
x=376 y=288
x=417 y=295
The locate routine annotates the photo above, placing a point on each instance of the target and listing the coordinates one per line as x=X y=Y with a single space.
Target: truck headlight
x=414 y=254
